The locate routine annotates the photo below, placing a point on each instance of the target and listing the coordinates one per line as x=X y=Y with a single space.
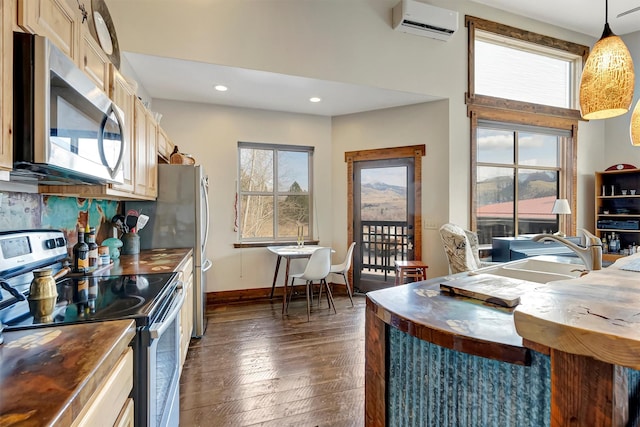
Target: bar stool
x=410 y=270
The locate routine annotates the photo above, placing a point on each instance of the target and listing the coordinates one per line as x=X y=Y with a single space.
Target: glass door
x=383 y=213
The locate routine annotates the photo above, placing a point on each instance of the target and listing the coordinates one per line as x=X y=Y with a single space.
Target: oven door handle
x=158 y=328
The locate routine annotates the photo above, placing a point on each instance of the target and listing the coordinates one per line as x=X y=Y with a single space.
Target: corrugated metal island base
x=438 y=360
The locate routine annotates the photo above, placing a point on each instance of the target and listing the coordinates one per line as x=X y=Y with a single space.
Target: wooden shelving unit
x=621 y=210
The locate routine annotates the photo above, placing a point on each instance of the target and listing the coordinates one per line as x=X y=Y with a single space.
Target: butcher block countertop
x=597 y=315
x=150 y=261
x=48 y=374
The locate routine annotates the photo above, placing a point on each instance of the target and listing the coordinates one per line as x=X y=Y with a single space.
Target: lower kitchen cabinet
x=186 y=315
x=109 y=405
x=126 y=418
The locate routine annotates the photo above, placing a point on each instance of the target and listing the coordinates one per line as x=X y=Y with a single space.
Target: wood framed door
x=384 y=212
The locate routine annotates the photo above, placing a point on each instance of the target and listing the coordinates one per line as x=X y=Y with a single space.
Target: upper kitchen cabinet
x=146 y=151
x=165 y=146
x=58 y=20
x=93 y=61
x=6 y=83
x=123 y=96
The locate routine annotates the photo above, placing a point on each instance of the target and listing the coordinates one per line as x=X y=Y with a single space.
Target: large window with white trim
x=275 y=192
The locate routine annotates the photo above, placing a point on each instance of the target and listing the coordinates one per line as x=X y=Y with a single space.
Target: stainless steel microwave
x=66 y=129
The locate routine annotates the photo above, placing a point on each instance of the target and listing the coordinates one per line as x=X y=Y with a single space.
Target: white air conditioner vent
x=425 y=20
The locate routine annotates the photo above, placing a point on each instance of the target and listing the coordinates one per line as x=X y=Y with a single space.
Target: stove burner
x=122 y=306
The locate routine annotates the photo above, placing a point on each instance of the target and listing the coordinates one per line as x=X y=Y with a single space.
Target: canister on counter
x=130 y=244
x=103 y=255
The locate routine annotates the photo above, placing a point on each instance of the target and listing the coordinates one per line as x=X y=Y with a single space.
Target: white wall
x=426 y=124
x=341 y=40
x=211 y=134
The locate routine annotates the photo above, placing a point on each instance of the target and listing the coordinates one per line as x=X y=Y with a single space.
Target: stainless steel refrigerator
x=179 y=218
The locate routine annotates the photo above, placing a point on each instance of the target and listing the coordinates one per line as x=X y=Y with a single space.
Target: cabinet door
x=93 y=61
x=152 y=157
x=186 y=317
x=165 y=146
x=6 y=85
x=106 y=404
x=122 y=95
x=57 y=20
x=141 y=161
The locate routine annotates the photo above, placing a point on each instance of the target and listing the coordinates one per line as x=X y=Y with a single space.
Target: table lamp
x=561 y=207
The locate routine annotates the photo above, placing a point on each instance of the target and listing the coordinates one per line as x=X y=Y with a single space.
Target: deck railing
x=382 y=243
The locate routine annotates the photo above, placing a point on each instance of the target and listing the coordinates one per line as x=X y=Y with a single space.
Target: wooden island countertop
x=597 y=315
x=456 y=322
x=47 y=375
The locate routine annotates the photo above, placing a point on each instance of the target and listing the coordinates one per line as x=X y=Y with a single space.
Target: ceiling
x=260 y=89
x=279 y=92
x=583 y=16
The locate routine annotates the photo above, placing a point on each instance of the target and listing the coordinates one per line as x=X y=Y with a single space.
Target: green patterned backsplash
x=25 y=211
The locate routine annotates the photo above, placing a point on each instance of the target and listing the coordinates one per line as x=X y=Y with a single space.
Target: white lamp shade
x=561 y=206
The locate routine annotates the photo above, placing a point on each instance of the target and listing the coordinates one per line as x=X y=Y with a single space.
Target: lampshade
x=635 y=125
x=606 y=86
x=561 y=206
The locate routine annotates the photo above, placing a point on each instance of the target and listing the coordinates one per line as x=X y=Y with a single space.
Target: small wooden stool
x=411 y=270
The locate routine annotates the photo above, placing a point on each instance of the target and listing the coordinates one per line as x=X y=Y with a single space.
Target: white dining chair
x=343 y=270
x=317 y=270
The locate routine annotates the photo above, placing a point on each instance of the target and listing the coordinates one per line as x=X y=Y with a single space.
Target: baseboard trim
x=216 y=299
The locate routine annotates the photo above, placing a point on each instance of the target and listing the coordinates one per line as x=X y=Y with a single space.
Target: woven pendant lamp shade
x=635 y=125
x=606 y=87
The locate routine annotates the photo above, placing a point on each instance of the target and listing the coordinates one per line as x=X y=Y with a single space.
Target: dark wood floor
x=252 y=367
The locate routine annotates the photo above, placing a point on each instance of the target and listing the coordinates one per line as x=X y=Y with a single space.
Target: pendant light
x=635 y=125
x=606 y=86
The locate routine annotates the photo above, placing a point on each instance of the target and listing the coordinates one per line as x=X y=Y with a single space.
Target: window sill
x=272 y=243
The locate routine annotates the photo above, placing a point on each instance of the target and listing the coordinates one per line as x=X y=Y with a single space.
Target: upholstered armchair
x=461 y=247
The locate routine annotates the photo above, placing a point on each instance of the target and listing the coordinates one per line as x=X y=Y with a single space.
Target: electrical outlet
x=430 y=224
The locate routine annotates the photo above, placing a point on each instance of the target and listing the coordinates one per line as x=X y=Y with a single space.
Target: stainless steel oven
x=154 y=301
x=161 y=349
x=66 y=129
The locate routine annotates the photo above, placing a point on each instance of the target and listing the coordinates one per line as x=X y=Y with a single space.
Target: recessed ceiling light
x=315 y=99
x=220 y=88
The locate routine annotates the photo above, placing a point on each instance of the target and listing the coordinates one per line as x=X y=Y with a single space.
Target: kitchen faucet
x=590 y=254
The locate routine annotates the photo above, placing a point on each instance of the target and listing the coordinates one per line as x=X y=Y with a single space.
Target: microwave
x=66 y=129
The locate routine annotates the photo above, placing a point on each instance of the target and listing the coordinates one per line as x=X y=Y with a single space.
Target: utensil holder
x=130 y=244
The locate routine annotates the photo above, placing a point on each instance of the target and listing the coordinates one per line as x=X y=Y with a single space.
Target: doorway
x=384 y=190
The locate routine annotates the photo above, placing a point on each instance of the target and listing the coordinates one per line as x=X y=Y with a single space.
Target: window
x=518 y=176
x=275 y=191
x=524 y=71
x=522 y=104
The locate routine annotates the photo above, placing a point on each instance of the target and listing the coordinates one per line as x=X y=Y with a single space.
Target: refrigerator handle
x=206 y=265
x=205 y=187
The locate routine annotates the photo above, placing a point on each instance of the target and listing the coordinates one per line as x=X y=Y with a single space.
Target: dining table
x=288 y=253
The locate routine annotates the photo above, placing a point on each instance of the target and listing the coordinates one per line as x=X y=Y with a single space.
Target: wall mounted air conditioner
x=423 y=19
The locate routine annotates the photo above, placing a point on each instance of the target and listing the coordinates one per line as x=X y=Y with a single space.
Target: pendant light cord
x=607 y=30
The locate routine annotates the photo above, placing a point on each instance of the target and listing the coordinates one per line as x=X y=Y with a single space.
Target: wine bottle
x=90 y=240
x=80 y=254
